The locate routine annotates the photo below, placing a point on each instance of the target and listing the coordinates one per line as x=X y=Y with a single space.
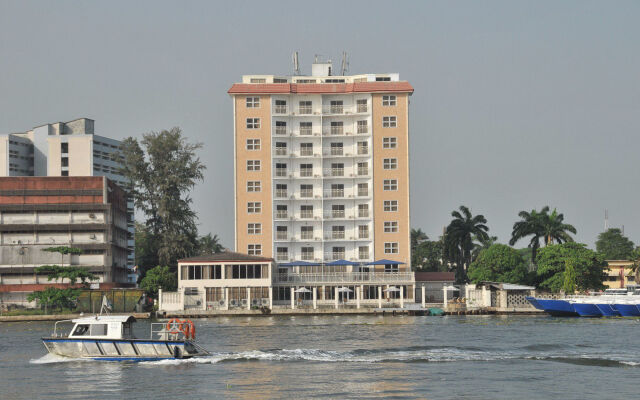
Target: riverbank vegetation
x=551 y=260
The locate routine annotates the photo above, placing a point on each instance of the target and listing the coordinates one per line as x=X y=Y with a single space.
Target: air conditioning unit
x=92 y=236
x=350 y=195
x=234 y=302
x=221 y=302
x=347 y=154
x=255 y=302
x=352 y=238
x=244 y=302
x=265 y=302
x=316 y=155
x=316 y=176
x=92 y=216
x=317 y=238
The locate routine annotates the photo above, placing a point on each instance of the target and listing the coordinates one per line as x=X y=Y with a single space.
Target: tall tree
x=614 y=245
x=163 y=168
x=428 y=256
x=459 y=238
x=541 y=226
x=499 y=263
x=586 y=265
x=208 y=244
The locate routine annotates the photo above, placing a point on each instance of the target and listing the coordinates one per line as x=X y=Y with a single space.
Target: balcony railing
x=306 y=152
x=335 y=214
x=334 y=193
x=281 y=193
x=305 y=110
x=281 y=151
x=281 y=235
x=337 y=130
x=282 y=256
x=334 y=172
x=282 y=214
x=306 y=193
x=363 y=150
x=363 y=213
x=306 y=235
x=362 y=108
x=280 y=109
x=363 y=193
x=363 y=129
x=306 y=131
x=345 y=277
x=337 y=151
x=281 y=172
x=363 y=171
x=306 y=256
x=305 y=172
x=306 y=215
x=337 y=235
x=281 y=130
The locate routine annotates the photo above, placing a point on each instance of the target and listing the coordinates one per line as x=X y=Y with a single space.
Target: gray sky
x=517 y=104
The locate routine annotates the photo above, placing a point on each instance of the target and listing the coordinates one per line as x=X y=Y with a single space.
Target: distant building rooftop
x=225 y=256
x=435 y=276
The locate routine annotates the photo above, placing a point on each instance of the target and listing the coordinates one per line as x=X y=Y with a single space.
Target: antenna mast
x=606 y=220
x=345 y=63
x=296 y=65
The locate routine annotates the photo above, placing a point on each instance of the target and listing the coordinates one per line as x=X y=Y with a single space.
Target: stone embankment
x=57 y=317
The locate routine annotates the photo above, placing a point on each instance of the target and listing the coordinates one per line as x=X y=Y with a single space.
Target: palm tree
x=417 y=237
x=208 y=244
x=459 y=237
x=541 y=226
x=482 y=245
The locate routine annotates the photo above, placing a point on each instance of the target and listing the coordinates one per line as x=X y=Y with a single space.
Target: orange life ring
x=174 y=326
x=189 y=329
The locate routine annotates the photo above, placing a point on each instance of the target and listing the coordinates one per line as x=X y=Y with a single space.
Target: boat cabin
x=103 y=327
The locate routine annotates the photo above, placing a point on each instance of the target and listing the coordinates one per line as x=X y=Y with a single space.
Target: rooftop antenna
x=345 y=63
x=296 y=65
x=606 y=220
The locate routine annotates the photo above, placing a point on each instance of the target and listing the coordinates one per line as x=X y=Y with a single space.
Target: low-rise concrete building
x=433 y=283
x=620 y=274
x=36 y=213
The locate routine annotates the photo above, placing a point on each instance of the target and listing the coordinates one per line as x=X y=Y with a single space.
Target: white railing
x=344 y=277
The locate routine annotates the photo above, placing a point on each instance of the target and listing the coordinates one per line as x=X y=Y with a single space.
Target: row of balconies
x=283 y=215
x=344 y=277
x=354 y=255
x=327 y=172
x=327 y=194
x=331 y=237
x=343 y=151
x=326 y=109
x=333 y=131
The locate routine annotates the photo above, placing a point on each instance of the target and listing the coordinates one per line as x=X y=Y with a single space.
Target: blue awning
x=342 y=262
x=298 y=264
x=385 y=262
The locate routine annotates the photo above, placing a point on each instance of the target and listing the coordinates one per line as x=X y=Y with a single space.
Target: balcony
x=334 y=193
x=306 y=172
x=362 y=108
x=346 y=277
x=281 y=130
x=306 y=236
x=282 y=214
x=306 y=256
x=363 y=213
x=363 y=129
x=337 y=151
x=281 y=172
x=334 y=172
x=305 y=131
x=281 y=236
x=306 y=193
x=305 y=152
x=281 y=151
x=363 y=171
x=306 y=214
x=363 y=150
x=282 y=257
x=335 y=214
x=337 y=130
x=280 y=193
x=305 y=110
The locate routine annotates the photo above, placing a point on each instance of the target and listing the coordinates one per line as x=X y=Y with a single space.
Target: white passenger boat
x=110 y=338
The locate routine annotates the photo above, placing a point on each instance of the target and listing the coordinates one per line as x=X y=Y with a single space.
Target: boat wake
x=53 y=359
x=407 y=355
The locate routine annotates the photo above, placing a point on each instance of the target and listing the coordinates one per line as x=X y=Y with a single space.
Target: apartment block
x=89 y=213
x=321 y=166
x=67 y=149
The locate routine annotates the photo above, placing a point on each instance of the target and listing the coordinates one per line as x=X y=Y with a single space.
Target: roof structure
x=104 y=319
x=505 y=286
x=225 y=256
x=384 y=261
x=318 y=88
x=435 y=276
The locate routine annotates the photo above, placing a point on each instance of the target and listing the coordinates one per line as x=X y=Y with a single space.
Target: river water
x=453 y=357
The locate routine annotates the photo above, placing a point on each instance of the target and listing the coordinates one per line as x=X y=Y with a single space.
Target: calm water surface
x=474 y=357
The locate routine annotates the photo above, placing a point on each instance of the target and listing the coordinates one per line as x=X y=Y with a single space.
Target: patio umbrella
x=302 y=290
x=345 y=290
x=392 y=289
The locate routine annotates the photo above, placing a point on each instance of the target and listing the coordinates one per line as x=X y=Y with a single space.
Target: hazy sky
x=517 y=104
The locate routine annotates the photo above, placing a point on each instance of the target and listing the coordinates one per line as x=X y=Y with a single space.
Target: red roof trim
x=286 y=88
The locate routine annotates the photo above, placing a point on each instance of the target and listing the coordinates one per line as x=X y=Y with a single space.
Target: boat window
x=81 y=330
x=98 y=329
x=126 y=330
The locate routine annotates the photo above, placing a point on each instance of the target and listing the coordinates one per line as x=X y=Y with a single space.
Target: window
x=307 y=253
x=253 y=144
x=363 y=148
x=338 y=253
x=391 y=248
x=306 y=170
x=363 y=127
x=281 y=232
x=337 y=149
x=282 y=253
x=389 y=122
x=254 y=249
x=362 y=105
x=306 y=190
x=388 y=100
x=306 y=211
x=304 y=107
x=390 y=226
x=258 y=80
x=306 y=128
x=281 y=211
x=64 y=173
x=363 y=189
x=306 y=81
x=281 y=190
x=389 y=143
x=390 y=184
x=254 y=207
x=390 y=163
x=281 y=128
x=337 y=107
x=337 y=127
x=280 y=80
x=280 y=107
x=306 y=149
x=391 y=205
x=383 y=78
x=337 y=232
x=64 y=147
x=388 y=268
x=98 y=329
x=281 y=169
x=337 y=190
x=253 y=102
x=253 y=186
x=363 y=231
x=254 y=123
x=253 y=165
x=250 y=271
x=254 y=229
x=337 y=211
x=363 y=252
x=363 y=211
x=306 y=232
x=363 y=168
x=337 y=169
x=281 y=148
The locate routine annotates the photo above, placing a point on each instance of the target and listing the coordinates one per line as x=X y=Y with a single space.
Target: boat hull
x=587 y=310
x=557 y=308
x=607 y=310
x=121 y=349
x=627 y=310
